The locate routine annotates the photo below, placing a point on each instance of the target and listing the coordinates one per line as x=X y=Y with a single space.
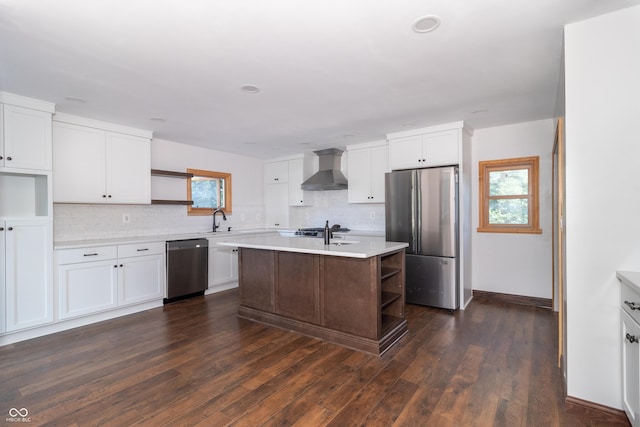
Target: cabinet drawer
x=96 y=253
x=630 y=297
x=140 y=249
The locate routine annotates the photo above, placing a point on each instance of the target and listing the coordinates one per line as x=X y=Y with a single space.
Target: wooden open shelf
x=389 y=298
x=171 y=174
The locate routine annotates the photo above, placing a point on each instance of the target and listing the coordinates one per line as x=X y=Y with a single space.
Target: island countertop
x=313 y=245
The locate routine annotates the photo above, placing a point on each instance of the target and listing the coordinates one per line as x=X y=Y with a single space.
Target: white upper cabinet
x=25 y=133
x=436 y=146
x=366 y=168
x=276 y=172
x=299 y=171
x=94 y=165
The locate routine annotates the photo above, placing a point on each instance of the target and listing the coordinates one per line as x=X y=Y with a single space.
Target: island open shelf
x=354 y=302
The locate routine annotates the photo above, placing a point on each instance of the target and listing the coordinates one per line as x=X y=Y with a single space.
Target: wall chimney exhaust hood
x=328 y=176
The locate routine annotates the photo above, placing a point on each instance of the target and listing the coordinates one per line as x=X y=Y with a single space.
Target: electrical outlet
x=372 y=215
x=126 y=218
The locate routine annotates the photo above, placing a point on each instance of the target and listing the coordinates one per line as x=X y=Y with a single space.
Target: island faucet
x=224 y=217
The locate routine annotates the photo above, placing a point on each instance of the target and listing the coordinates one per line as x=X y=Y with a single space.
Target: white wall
x=518 y=264
x=602 y=69
x=81 y=222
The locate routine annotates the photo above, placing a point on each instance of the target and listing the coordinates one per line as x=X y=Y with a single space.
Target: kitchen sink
x=343 y=242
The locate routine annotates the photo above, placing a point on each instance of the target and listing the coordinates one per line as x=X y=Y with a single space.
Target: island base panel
x=376 y=347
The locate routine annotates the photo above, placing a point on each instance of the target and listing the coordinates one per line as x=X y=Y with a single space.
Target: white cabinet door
x=379 y=167
x=359 y=167
x=140 y=279
x=406 y=152
x=29 y=288
x=367 y=167
x=440 y=148
x=276 y=172
x=223 y=264
x=128 y=166
x=27 y=138
x=297 y=197
x=276 y=205
x=87 y=288
x=630 y=368
x=3 y=269
x=78 y=164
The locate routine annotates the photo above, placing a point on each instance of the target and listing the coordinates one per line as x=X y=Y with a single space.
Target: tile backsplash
x=86 y=222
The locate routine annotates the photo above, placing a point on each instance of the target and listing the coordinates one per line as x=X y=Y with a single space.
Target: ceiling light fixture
x=75 y=99
x=157 y=119
x=250 y=89
x=480 y=111
x=426 y=24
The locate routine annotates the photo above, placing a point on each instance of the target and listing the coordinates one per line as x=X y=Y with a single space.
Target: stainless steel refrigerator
x=422 y=210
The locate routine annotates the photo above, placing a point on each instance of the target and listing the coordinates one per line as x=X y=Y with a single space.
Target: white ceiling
x=330 y=72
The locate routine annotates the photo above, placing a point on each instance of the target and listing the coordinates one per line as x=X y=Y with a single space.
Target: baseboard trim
x=513 y=299
x=613 y=415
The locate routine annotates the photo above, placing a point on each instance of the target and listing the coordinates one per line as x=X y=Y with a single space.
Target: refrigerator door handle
x=417 y=212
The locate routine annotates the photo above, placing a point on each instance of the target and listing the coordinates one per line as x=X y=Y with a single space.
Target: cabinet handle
x=9 y=158
x=115 y=266
x=632 y=338
x=1 y=228
x=142 y=250
x=109 y=195
x=120 y=265
x=10 y=228
x=94 y=254
x=104 y=196
x=632 y=305
x=1 y=157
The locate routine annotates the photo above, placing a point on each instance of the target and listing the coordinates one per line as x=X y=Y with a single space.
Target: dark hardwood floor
x=195 y=363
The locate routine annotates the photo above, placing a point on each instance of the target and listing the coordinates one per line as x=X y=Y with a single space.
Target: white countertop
x=158 y=238
x=629 y=278
x=312 y=245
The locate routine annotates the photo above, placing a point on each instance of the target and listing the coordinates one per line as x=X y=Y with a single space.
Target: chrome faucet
x=224 y=217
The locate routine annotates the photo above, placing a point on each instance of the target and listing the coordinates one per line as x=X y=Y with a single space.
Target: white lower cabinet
x=87 y=288
x=140 y=279
x=631 y=368
x=223 y=264
x=95 y=279
x=25 y=252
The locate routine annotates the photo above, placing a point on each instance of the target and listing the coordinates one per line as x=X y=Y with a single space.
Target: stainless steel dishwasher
x=187 y=268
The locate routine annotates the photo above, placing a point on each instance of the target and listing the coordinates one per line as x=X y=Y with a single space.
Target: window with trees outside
x=509 y=196
x=208 y=190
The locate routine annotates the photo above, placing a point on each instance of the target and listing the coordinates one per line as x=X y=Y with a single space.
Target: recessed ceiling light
x=250 y=89
x=157 y=119
x=426 y=24
x=479 y=111
x=75 y=99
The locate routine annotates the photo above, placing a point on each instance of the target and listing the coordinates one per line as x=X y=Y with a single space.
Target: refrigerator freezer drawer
x=432 y=281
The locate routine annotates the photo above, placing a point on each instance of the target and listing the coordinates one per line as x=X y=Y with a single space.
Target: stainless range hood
x=328 y=176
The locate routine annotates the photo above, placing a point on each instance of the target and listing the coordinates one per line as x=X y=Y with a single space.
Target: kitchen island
x=348 y=292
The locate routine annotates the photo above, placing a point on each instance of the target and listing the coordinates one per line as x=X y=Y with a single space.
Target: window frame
x=191 y=210
x=488 y=166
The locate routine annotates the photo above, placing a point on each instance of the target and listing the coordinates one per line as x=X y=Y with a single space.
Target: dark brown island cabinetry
x=354 y=302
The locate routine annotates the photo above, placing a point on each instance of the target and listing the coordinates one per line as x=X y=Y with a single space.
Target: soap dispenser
x=327 y=232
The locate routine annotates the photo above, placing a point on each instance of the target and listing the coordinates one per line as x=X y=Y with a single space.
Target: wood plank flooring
x=195 y=362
